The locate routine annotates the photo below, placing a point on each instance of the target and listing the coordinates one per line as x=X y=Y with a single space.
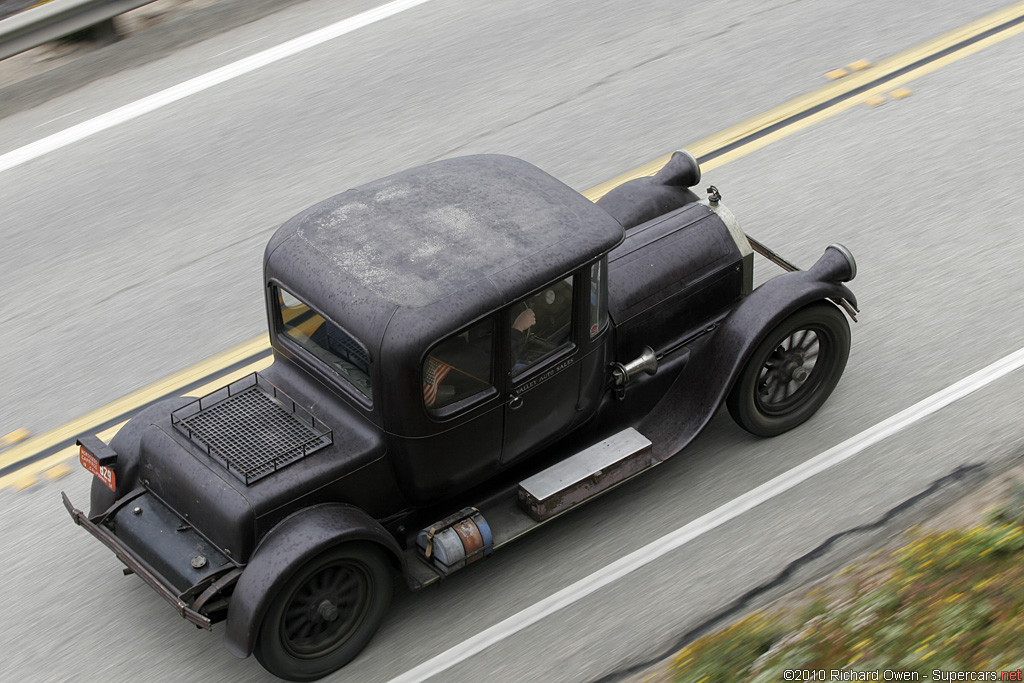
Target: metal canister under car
x=455 y=541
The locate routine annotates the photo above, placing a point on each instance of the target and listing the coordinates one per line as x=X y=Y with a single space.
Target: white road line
x=712 y=520
x=238 y=47
x=199 y=83
x=57 y=118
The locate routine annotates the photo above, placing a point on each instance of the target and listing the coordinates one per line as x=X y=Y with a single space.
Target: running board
x=553 y=492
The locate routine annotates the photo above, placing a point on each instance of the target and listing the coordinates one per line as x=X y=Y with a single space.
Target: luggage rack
x=251 y=427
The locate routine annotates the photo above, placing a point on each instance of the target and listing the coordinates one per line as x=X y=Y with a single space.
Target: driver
x=525 y=320
x=541 y=323
x=520 y=336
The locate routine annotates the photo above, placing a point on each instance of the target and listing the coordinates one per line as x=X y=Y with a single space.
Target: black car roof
x=464 y=235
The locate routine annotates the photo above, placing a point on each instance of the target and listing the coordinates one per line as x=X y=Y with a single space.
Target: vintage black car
x=462 y=352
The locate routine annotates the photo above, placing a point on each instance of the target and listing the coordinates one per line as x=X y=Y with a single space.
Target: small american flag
x=434 y=374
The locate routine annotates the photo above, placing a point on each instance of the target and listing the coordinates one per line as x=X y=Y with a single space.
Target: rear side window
x=329 y=343
x=459 y=367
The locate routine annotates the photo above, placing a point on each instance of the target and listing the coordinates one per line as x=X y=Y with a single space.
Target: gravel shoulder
x=956 y=509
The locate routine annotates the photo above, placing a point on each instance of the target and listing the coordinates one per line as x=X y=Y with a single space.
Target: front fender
x=293 y=542
x=699 y=390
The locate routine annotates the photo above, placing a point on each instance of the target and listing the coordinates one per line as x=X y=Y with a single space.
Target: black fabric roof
x=485 y=228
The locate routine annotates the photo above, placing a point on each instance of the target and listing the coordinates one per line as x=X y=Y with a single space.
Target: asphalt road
x=136 y=252
x=12 y=7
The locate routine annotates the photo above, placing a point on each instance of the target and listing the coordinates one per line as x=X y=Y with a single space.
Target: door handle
x=516 y=402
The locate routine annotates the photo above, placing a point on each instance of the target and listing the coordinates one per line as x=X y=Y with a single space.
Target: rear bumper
x=188 y=602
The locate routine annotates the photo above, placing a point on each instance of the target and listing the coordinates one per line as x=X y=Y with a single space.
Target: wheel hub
x=327 y=610
x=788 y=368
x=793 y=366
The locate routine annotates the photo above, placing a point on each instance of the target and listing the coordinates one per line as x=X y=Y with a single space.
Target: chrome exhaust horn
x=647 y=362
x=681 y=170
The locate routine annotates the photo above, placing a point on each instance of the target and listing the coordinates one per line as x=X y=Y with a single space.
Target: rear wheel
x=326 y=613
x=792 y=371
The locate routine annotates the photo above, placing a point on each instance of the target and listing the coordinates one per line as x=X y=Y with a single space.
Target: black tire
x=792 y=371
x=325 y=613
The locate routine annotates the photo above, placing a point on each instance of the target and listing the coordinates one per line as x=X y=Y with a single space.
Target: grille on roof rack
x=251 y=427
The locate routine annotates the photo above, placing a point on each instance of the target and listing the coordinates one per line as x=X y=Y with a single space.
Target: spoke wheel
x=325 y=613
x=792 y=372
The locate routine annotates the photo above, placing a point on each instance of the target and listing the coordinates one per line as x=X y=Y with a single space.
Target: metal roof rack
x=251 y=427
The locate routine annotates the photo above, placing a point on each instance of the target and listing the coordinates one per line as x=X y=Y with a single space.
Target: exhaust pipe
x=647 y=362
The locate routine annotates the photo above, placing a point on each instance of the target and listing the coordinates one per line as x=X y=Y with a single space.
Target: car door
x=543 y=370
x=457 y=441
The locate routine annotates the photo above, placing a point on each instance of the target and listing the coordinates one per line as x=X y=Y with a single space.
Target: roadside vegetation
x=951 y=600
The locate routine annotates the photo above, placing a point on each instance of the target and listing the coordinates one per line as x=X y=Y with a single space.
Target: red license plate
x=104 y=474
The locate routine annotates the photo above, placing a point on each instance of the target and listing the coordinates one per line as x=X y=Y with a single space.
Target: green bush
x=952 y=600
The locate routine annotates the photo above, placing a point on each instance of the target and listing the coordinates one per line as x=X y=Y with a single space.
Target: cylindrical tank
x=456 y=541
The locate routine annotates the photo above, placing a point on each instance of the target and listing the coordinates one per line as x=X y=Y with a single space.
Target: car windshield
x=325 y=340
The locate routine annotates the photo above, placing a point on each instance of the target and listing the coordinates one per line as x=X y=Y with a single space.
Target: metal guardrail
x=56 y=19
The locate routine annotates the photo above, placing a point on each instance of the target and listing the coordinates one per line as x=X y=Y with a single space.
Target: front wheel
x=325 y=614
x=792 y=371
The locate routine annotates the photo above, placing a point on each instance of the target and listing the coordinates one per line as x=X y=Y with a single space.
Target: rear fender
x=702 y=386
x=287 y=547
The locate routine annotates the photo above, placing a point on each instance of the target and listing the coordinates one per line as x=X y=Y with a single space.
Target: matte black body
x=404 y=262
x=126 y=444
x=649 y=301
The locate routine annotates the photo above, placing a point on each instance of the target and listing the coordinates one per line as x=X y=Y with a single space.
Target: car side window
x=459 y=367
x=541 y=325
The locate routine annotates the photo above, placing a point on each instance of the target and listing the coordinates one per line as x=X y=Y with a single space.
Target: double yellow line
x=112 y=416
x=818 y=105
x=47 y=453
